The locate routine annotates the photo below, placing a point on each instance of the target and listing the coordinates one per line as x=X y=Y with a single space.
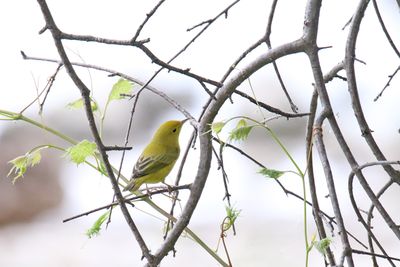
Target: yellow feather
x=158 y=158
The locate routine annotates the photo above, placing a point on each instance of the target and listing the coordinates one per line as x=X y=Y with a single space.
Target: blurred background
x=270 y=225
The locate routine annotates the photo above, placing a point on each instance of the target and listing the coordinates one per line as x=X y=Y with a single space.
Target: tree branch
x=366 y=132
x=148 y=16
x=268 y=42
x=310 y=31
x=205 y=139
x=129 y=199
x=85 y=92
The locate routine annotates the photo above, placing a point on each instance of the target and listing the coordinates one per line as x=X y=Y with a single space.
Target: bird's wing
x=147 y=164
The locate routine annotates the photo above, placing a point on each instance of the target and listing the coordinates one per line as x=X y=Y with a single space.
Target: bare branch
x=117 y=148
x=352 y=86
x=46 y=89
x=268 y=42
x=205 y=139
x=373 y=199
x=378 y=14
x=387 y=84
x=370 y=216
x=130 y=199
x=154 y=90
x=148 y=16
x=310 y=35
x=50 y=24
x=270 y=108
x=240 y=58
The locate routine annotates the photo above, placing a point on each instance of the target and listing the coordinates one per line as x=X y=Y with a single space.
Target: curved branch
x=370 y=216
x=366 y=132
x=378 y=14
x=355 y=206
x=205 y=138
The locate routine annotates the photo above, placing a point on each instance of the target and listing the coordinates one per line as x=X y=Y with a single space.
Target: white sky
x=210 y=56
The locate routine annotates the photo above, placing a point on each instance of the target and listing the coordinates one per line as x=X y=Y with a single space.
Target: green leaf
x=271 y=173
x=231 y=215
x=78 y=104
x=322 y=244
x=79 y=152
x=241 y=131
x=22 y=163
x=216 y=127
x=93 y=105
x=121 y=87
x=96 y=227
x=36 y=157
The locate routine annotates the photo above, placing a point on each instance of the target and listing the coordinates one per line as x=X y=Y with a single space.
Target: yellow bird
x=159 y=156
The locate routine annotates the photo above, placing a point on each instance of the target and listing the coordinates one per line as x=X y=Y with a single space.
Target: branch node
x=42 y=30
x=24 y=56
x=366 y=132
x=324 y=47
x=143 y=41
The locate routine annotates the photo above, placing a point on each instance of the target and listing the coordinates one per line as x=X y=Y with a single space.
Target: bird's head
x=168 y=132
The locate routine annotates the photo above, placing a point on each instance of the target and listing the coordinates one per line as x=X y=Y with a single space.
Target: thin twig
x=286 y=191
x=126 y=200
x=117 y=148
x=148 y=16
x=240 y=58
x=384 y=29
x=46 y=89
x=112 y=72
x=387 y=83
x=370 y=216
x=275 y=65
x=222 y=237
x=353 y=90
x=128 y=131
x=185 y=72
x=225 y=179
x=375 y=255
x=270 y=108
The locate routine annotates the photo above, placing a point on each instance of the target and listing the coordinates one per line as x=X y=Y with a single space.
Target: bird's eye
x=174 y=130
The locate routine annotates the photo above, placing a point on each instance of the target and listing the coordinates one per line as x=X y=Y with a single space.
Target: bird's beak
x=183 y=121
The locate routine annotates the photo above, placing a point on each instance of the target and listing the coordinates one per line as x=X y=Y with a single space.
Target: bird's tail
x=132 y=186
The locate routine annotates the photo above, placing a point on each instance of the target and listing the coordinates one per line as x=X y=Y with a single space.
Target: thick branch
x=85 y=92
x=205 y=138
x=310 y=31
